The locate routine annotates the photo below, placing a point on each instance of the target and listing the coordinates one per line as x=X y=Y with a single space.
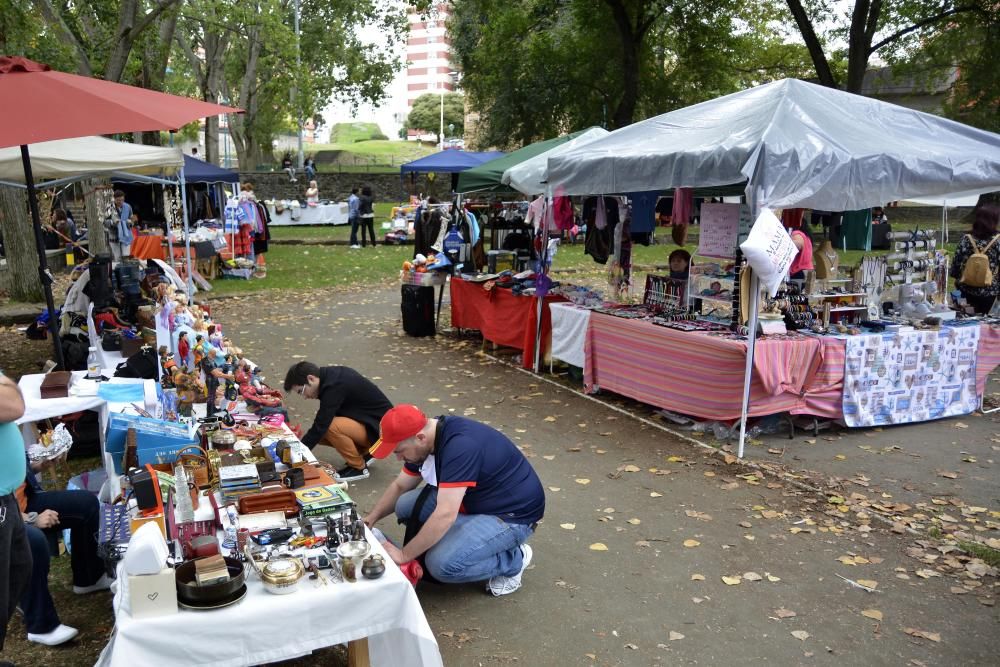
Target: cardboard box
x=153 y=595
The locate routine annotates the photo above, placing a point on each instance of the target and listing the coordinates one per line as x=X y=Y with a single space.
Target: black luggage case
x=418 y=310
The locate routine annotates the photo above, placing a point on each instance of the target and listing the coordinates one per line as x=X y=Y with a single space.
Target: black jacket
x=343 y=392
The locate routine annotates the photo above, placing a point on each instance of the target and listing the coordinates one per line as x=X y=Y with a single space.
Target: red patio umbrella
x=39 y=104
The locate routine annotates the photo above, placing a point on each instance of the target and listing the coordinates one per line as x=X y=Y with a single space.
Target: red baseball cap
x=399 y=423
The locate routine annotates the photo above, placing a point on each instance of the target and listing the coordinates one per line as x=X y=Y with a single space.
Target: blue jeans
x=355 y=220
x=79 y=511
x=476 y=547
x=39 y=610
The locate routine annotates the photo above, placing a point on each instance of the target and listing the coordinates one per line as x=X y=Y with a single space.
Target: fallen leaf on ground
x=701 y=516
x=691 y=543
x=634 y=522
x=582 y=480
x=784 y=613
x=674 y=636
x=948 y=474
x=927 y=574
x=872 y=613
x=801 y=635
x=567 y=526
x=554 y=488
x=959 y=425
x=729 y=459
x=771 y=577
x=598 y=546
x=632 y=647
x=913 y=632
x=550 y=418
x=752 y=576
x=631 y=468
x=870 y=583
x=654 y=494
x=732 y=581
x=697 y=577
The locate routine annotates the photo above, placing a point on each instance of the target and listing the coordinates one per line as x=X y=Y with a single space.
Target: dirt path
x=673 y=522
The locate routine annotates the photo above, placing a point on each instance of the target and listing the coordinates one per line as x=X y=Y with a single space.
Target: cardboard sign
x=721 y=228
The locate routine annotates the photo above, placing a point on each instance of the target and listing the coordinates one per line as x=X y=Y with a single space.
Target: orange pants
x=350 y=439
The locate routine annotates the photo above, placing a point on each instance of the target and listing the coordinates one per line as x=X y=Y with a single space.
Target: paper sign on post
x=719 y=228
x=769 y=250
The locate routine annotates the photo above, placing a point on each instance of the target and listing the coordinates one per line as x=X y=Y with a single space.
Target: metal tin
x=373 y=567
x=281 y=576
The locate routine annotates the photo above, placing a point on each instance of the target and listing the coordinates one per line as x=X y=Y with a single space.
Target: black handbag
x=143 y=364
x=111 y=341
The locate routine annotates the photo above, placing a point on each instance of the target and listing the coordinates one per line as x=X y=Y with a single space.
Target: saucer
x=237 y=596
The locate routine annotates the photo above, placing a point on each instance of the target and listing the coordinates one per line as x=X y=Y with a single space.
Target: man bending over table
x=350 y=407
x=481 y=503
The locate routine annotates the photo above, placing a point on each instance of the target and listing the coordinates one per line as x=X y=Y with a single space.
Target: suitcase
x=418 y=310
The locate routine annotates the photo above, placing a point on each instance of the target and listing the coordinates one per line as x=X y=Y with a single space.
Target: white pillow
x=769 y=250
x=147 y=551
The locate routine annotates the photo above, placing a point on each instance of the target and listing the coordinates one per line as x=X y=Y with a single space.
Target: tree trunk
x=625 y=111
x=97 y=237
x=21 y=277
x=813 y=44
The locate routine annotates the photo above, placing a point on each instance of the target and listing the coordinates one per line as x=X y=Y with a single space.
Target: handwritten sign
x=719 y=229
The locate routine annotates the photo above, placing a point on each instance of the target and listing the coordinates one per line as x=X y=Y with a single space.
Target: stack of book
x=318 y=501
x=211 y=570
x=237 y=481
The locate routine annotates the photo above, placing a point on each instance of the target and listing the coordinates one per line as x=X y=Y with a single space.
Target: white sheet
x=569 y=332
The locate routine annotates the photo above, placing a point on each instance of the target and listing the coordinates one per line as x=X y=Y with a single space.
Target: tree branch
x=152 y=15
x=813 y=44
x=55 y=19
x=920 y=24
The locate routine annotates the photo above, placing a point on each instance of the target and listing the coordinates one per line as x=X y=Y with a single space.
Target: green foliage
x=540 y=68
x=426 y=114
x=24 y=33
x=345 y=133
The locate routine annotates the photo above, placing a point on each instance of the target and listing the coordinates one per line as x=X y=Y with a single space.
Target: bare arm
x=11 y=401
x=449 y=500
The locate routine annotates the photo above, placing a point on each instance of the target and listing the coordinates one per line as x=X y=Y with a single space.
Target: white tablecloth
x=569 y=332
x=323 y=214
x=36 y=408
x=266 y=628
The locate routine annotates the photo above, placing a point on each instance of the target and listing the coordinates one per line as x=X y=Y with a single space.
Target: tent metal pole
x=187 y=237
x=170 y=240
x=944 y=222
x=43 y=265
x=755 y=208
x=542 y=270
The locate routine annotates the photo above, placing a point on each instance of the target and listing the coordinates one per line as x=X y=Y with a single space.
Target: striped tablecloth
x=701 y=375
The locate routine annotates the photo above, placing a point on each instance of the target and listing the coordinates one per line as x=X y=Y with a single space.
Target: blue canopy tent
x=199 y=171
x=448 y=162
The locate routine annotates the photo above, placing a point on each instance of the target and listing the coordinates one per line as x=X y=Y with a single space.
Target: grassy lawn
x=314 y=266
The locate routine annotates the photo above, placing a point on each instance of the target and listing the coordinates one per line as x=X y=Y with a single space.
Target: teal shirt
x=12 y=464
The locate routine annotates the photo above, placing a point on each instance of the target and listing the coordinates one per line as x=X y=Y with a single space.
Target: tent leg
x=187 y=238
x=748 y=371
x=43 y=265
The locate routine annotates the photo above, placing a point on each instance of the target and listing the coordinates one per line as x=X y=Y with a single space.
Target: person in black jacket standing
x=366 y=210
x=350 y=410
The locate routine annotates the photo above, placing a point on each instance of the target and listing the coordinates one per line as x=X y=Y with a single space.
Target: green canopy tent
x=486 y=177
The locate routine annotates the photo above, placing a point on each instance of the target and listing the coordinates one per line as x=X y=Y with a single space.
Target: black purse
x=111 y=341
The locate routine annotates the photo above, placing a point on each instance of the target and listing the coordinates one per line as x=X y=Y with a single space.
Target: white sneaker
x=506 y=585
x=60 y=635
x=355 y=246
x=102 y=584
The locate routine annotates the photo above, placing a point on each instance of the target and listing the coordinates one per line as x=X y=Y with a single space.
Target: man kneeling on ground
x=481 y=503
x=350 y=408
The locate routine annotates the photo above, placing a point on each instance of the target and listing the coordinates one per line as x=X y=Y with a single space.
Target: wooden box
x=56 y=384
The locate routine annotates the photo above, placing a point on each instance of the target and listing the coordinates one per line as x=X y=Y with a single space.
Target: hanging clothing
x=643 y=211
x=261 y=238
x=683 y=206
x=855 y=231
x=536 y=210
x=791 y=218
x=562 y=213
x=597 y=242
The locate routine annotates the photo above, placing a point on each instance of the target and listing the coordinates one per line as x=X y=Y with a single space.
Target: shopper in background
x=120 y=230
x=804 y=259
x=312 y=194
x=350 y=409
x=366 y=212
x=15 y=554
x=354 y=215
x=971 y=274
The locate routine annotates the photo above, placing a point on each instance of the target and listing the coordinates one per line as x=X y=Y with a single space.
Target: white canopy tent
x=66 y=160
x=792 y=144
x=530 y=177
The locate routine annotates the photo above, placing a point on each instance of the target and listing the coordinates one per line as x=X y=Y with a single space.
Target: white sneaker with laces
x=102 y=584
x=506 y=585
x=61 y=635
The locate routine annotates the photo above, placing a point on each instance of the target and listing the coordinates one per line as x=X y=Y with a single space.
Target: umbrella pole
x=43 y=265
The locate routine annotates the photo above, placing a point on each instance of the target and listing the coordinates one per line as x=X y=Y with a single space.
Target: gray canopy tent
x=789 y=143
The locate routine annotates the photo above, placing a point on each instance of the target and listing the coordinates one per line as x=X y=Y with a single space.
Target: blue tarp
x=199 y=171
x=449 y=162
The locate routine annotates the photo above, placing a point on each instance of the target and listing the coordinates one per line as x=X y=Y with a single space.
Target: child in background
x=680 y=262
